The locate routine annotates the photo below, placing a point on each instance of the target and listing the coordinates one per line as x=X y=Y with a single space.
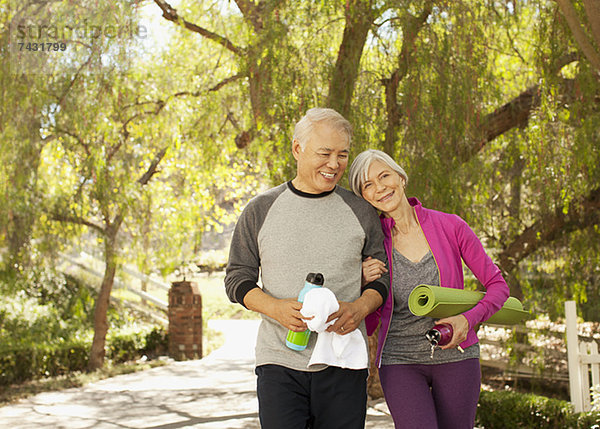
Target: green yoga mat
x=439 y=302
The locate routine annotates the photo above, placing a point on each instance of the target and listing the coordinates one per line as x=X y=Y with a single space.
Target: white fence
x=584 y=363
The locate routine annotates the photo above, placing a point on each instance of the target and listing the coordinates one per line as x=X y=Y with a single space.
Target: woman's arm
x=484 y=269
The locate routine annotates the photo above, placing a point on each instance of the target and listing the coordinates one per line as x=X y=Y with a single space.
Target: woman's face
x=384 y=188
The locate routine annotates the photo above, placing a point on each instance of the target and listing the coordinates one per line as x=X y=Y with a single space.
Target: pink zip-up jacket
x=451 y=241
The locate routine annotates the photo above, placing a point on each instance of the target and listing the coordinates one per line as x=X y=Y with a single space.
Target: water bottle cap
x=315 y=278
x=433 y=336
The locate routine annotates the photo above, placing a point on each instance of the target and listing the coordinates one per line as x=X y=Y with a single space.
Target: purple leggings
x=432 y=396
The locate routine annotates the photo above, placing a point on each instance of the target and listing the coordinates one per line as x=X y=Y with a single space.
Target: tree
x=452 y=89
x=490 y=106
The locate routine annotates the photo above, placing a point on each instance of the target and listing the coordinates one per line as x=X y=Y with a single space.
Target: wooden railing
x=89 y=264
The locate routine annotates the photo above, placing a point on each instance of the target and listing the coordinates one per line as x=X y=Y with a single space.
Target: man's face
x=322 y=162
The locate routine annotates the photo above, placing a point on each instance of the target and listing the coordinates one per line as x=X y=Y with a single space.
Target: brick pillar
x=185 y=321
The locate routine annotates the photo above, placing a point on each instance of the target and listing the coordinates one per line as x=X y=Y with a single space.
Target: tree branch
x=160 y=104
x=252 y=12
x=582 y=213
x=61 y=99
x=152 y=168
x=226 y=82
x=81 y=142
x=581 y=38
x=516 y=112
x=592 y=10
x=170 y=14
x=61 y=217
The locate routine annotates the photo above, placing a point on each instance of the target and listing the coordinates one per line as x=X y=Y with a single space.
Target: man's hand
x=350 y=314
x=348 y=318
x=285 y=311
x=460 y=328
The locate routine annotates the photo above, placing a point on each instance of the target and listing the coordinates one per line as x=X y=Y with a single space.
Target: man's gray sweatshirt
x=285 y=234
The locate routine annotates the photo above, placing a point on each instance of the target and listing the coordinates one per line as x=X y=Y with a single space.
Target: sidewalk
x=218 y=391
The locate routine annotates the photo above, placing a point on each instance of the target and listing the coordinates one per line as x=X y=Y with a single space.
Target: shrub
x=26 y=362
x=22 y=362
x=505 y=409
x=157 y=342
x=48 y=332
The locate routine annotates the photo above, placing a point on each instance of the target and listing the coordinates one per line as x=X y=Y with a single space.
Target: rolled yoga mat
x=439 y=302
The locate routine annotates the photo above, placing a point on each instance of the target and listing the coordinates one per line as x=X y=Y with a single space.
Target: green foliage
x=46 y=328
x=34 y=360
x=505 y=409
x=156 y=342
x=77 y=138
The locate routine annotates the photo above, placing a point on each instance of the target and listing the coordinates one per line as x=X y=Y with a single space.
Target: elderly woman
x=424 y=247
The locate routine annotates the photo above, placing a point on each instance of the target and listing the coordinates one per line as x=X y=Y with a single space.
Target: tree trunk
x=110 y=257
x=360 y=15
x=410 y=32
x=96 y=359
x=393 y=112
x=373 y=383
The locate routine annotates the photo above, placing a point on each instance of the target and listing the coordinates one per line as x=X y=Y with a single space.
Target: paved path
x=215 y=392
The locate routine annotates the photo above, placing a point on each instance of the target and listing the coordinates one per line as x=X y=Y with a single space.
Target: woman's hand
x=460 y=328
x=372 y=269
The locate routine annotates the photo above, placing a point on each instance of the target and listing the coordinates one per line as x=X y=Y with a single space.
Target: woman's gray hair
x=317 y=115
x=359 y=169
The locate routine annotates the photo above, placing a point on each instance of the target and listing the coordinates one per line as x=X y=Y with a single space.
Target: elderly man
x=308 y=224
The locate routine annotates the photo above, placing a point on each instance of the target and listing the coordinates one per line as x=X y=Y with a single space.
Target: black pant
x=328 y=399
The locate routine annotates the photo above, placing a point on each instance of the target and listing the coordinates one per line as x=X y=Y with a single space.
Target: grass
x=215 y=304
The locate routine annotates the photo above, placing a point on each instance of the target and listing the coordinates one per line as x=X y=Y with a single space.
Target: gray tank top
x=406 y=342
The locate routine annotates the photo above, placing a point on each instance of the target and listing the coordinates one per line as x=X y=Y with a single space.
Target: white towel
x=344 y=351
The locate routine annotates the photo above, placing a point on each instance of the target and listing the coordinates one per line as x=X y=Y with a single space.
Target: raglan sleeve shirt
x=244 y=263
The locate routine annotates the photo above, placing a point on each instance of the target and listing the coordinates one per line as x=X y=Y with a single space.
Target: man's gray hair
x=320 y=115
x=359 y=169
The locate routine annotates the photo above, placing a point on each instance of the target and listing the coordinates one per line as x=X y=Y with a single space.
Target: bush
x=157 y=342
x=26 y=362
x=23 y=362
x=121 y=347
x=124 y=346
x=505 y=409
x=46 y=329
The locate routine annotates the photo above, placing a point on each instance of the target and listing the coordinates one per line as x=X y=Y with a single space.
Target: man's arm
x=243 y=264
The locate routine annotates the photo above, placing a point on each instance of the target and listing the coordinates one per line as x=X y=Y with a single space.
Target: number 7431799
x=42 y=46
